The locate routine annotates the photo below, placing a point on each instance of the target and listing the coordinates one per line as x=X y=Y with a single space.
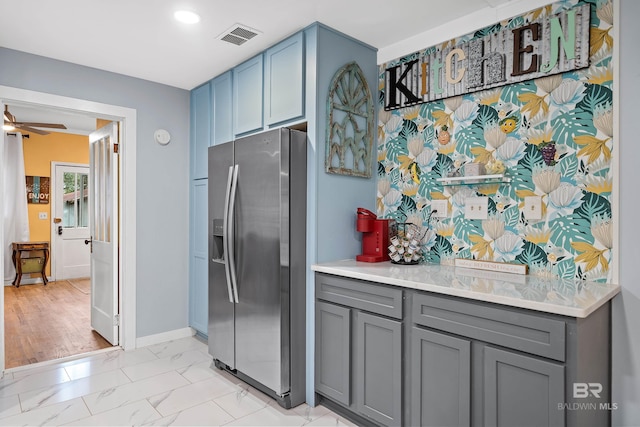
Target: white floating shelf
x=477 y=179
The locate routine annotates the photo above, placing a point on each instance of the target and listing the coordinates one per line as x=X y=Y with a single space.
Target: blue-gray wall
x=162 y=174
x=626 y=307
x=339 y=196
x=332 y=213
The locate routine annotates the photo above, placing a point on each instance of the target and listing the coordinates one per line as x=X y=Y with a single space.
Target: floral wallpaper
x=552 y=136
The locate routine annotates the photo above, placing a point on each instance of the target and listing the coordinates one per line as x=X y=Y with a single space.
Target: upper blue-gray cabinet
x=284 y=81
x=247 y=96
x=222 y=107
x=201 y=129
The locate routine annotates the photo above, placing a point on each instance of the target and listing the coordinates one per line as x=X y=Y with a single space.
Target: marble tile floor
x=168 y=384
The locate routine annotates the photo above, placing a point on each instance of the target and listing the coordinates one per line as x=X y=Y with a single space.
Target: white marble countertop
x=572 y=298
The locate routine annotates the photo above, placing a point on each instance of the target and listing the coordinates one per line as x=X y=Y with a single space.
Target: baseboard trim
x=164 y=337
x=29 y=281
x=65 y=359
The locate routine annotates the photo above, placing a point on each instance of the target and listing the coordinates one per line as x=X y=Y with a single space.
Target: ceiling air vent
x=238 y=34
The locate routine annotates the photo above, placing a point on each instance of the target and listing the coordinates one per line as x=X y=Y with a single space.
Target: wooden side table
x=35 y=262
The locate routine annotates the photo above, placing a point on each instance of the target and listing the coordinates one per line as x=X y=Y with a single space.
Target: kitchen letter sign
x=549 y=45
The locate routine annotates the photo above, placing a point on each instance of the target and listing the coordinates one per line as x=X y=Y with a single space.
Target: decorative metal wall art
x=350 y=118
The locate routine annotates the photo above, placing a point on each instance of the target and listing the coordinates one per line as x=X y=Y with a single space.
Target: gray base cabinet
x=394 y=356
x=359 y=348
x=521 y=390
x=379 y=365
x=333 y=365
x=441 y=379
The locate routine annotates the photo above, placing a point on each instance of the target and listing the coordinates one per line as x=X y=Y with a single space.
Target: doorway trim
x=127 y=195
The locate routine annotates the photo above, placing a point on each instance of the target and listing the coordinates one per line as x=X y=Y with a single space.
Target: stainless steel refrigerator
x=257 y=258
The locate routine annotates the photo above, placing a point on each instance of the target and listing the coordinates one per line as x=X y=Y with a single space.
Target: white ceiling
x=140 y=38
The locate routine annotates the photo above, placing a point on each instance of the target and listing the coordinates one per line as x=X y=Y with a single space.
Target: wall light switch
x=476 y=207
x=440 y=208
x=533 y=207
x=42 y=215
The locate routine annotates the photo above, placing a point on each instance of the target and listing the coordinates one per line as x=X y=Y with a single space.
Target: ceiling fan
x=11 y=123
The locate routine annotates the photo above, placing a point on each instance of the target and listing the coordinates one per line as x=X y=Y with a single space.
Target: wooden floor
x=48 y=322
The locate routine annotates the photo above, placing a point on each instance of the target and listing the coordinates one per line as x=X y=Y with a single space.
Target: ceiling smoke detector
x=238 y=34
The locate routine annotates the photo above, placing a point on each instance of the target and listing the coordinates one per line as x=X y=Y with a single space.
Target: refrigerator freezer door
x=221 y=334
x=261 y=209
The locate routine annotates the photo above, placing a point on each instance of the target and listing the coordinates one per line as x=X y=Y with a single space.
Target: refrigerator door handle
x=225 y=234
x=231 y=247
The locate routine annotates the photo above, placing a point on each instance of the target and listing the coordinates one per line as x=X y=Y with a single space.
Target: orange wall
x=101 y=122
x=39 y=152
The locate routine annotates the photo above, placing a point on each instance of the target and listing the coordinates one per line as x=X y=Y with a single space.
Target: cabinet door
x=284 y=81
x=198 y=284
x=379 y=366
x=440 y=379
x=333 y=352
x=521 y=390
x=222 y=106
x=247 y=96
x=200 y=128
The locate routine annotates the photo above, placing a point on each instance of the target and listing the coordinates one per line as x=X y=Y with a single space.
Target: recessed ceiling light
x=187 y=16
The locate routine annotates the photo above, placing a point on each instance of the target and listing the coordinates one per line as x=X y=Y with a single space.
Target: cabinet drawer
x=529 y=333
x=34 y=247
x=383 y=300
x=32 y=265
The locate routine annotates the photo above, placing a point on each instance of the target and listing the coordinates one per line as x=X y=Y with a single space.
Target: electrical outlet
x=476 y=207
x=533 y=207
x=440 y=208
x=42 y=215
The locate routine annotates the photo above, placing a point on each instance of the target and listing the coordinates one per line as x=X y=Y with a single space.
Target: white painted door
x=70 y=228
x=103 y=223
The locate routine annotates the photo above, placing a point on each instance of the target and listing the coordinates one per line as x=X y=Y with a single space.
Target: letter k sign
x=395 y=86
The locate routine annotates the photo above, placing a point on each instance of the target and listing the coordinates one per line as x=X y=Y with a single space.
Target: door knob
x=89 y=242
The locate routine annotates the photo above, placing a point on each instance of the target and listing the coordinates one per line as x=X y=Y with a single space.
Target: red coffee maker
x=375 y=236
